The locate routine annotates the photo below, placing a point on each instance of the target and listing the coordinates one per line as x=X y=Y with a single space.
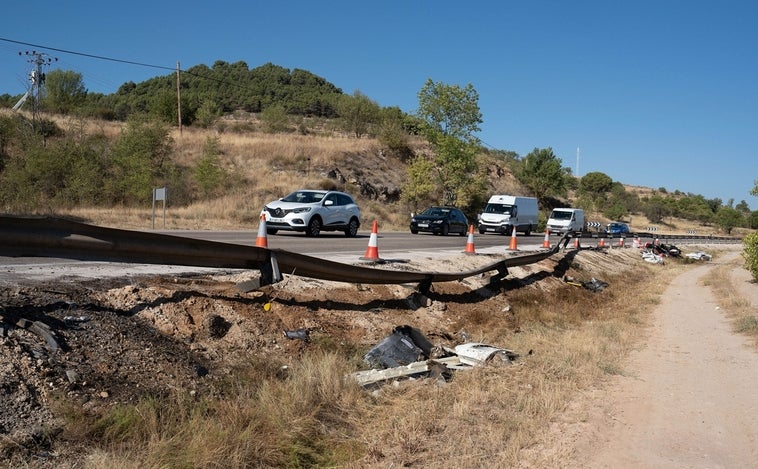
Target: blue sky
x=652 y=93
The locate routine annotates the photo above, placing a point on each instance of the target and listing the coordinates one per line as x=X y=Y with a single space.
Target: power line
x=100 y=57
x=129 y=62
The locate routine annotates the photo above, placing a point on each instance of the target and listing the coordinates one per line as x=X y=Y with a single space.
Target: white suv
x=313 y=211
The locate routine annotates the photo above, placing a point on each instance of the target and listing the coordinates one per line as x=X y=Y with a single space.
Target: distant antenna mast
x=36 y=79
x=577 y=161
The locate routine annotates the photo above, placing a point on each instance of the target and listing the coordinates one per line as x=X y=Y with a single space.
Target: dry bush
x=262 y=167
x=739 y=309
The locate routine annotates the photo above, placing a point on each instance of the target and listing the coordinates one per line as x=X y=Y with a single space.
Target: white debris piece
x=699 y=256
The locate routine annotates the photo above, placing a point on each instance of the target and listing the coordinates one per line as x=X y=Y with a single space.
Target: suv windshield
x=304 y=197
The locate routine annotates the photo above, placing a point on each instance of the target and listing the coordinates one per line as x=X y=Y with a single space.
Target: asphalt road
x=332 y=246
x=336 y=243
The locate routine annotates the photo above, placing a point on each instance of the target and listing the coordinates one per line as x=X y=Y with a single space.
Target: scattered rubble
x=407 y=353
x=699 y=256
x=593 y=284
x=123 y=337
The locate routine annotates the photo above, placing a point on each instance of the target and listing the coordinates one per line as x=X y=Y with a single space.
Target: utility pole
x=178 y=97
x=37 y=77
x=577 y=161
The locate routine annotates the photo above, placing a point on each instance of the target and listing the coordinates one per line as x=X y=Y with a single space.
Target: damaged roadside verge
x=54 y=237
x=189 y=344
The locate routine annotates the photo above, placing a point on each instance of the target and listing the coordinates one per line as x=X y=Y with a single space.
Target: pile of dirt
x=116 y=340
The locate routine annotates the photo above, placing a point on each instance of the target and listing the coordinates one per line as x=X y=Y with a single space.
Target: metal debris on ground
x=651 y=257
x=407 y=353
x=667 y=249
x=301 y=334
x=403 y=346
x=593 y=284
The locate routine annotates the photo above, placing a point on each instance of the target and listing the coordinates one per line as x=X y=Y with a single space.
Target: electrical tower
x=36 y=80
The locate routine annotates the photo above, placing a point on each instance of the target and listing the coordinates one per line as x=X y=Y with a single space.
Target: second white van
x=564 y=220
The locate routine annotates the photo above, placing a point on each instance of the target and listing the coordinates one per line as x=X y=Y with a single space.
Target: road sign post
x=159 y=194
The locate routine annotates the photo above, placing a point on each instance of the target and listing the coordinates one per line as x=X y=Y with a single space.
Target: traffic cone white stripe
x=262 y=240
x=470 y=241
x=372 y=251
x=514 y=244
x=546 y=241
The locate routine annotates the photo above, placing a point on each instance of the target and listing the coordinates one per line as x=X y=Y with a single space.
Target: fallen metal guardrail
x=55 y=237
x=653 y=235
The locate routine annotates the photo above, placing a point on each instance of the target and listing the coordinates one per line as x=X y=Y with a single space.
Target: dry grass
x=270 y=166
x=739 y=309
x=311 y=416
x=263 y=421
x=488 y=417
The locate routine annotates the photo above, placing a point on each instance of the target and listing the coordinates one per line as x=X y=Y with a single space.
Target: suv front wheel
x=352 y=228
x=314 y=227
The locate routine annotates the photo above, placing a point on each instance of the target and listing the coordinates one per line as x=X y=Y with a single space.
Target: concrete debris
x=651 y=257
x=699 y=256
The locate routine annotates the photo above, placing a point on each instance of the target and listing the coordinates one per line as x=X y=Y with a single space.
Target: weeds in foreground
x=738 y=308
x=295 y=421
x=311 y=416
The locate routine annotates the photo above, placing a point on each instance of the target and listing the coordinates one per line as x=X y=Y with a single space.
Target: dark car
x=440 y=221
x=617 y=228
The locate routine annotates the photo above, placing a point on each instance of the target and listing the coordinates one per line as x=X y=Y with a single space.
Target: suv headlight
x=301 y=210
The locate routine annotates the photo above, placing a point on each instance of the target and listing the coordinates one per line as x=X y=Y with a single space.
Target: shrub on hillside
x=139 y=161
x=209 y=175
x=751 y=254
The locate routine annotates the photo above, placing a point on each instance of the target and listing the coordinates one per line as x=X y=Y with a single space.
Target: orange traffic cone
x=621 y=242
x=577 y=244
x=514 y=244
x=262 y=241
x=601 y=243
x=470 y=241
x=546 y=241
x=372 y=251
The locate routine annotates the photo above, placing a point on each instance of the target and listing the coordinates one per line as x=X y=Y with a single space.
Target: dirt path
x=689 y=398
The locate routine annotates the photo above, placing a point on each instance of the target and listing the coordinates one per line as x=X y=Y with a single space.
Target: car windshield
x=435 y=212
x=499 y=208
x=304 y=197
x=560 y=215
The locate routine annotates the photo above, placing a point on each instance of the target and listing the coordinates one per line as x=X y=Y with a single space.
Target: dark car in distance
x=440 y=220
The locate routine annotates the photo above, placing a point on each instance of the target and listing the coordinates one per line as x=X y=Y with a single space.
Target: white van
x=504 y=212
x=564 y=220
